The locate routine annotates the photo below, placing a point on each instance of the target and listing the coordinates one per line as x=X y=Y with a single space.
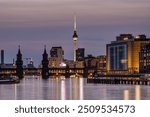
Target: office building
x=145 y=59
x=56 y=57
x=57 y=52
x=80 y=54
x=101 y=64
x=123 y=54
x=90 y=61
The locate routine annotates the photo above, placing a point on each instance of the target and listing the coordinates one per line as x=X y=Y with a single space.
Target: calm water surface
x=71 y=89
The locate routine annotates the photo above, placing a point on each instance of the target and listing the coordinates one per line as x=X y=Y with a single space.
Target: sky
x=35 y=23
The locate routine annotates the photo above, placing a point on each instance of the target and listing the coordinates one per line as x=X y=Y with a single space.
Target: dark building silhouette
x=123 y=37
x=80 y=54
x=91 y=65
x=144 y=57
x=2 y=56
x=101 y=64
x=19 y=65
x=45 y=65
x=90 y=61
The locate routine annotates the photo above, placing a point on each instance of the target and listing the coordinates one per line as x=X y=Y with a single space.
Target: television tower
x=75 y=38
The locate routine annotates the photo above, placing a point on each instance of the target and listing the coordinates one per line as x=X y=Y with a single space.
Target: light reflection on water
x=137 y=92
x=71 y=89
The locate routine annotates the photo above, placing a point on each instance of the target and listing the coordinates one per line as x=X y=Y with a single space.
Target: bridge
x=45 y=71
x=7 y=71
x=56 y=72
x=67 y=72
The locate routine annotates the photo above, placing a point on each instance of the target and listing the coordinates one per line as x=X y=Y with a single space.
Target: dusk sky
x=35 y=23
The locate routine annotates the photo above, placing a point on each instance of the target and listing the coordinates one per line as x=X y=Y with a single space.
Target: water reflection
x=45 y=89
x=63 y=90
x=81 y=88
x=76 y=88
x=137 y=92
x=126 y=95
x=55 y=88
x=15 y=91
x=71 y=89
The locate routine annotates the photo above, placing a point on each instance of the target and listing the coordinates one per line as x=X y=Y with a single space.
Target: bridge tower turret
x=45 y=73
x=19 y=65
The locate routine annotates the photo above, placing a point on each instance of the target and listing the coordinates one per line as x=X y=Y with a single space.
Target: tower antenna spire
x=75 y=23
x=75 y=37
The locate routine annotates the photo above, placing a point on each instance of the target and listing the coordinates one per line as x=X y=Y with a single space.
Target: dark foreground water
x=70 y=89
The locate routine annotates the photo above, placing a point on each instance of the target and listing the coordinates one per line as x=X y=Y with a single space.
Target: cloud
x=49 y=13
x=59 y=12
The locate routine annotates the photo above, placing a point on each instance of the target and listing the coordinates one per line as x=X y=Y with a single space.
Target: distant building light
x=62 y=65
x=137 y=37
x=126 y=38
x=123 y=61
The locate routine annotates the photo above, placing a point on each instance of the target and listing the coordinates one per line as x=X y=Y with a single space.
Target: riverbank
x=131 y=81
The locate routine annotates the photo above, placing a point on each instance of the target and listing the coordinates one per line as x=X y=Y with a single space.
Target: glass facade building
x=118 y=57
x=80 y=54
x=123 y=54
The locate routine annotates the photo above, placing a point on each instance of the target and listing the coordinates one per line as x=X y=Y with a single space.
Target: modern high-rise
x=123 y=54
x=57 y=52
x=56 y=56
x=75 y=38
x=145 y=59
x=80 y=52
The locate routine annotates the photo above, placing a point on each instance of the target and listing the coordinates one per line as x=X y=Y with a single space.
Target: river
x=33 y=88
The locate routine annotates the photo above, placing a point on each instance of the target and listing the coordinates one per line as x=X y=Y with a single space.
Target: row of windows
x=7 y=72
x=63 y=71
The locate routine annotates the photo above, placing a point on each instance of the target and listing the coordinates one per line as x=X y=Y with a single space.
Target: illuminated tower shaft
x=75 y=37
x=75 y=48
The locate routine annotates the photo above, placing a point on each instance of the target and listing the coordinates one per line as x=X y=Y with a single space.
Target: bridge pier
x=142 y=82
x=138 y=82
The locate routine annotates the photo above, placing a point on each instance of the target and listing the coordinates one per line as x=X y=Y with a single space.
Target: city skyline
x=34 y=23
